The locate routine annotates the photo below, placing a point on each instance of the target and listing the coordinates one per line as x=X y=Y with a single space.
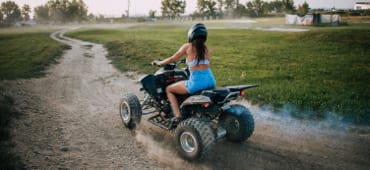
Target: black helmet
x=198 y=30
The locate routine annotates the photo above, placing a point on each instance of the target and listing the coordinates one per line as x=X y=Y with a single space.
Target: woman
x=198 y=60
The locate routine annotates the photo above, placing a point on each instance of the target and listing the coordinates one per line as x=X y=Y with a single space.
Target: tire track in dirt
x=71 y=116
x=70 y=121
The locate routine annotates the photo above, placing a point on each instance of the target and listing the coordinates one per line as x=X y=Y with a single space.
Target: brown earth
x=70 y=120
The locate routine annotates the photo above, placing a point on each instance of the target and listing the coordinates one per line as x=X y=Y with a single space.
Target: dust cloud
x=279 y=141
x=160 y=146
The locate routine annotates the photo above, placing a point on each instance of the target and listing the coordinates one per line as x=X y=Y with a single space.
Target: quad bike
x=208 y=116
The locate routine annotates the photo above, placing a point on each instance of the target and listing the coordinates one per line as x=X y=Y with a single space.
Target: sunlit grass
x=322 y=71
x=25 y=55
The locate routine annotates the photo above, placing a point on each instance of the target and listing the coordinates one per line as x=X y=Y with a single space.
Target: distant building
x=25 y=23
x=362 y=5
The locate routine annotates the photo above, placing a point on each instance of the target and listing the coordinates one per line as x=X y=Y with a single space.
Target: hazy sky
x=142 y=7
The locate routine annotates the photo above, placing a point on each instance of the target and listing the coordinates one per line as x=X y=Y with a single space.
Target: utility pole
x=332 y=12
x=333 y=5
x=128 y=9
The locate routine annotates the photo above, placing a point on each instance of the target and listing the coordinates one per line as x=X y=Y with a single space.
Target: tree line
x=10 y=13
x=64 y=11
x=55 y=11
x=231 y=8
x=61 y=11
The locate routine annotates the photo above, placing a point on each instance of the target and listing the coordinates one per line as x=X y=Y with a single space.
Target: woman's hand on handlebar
x=156 y=63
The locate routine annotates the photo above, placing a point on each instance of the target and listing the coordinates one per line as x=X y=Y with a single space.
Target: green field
x=25 y=55
x=326 y=70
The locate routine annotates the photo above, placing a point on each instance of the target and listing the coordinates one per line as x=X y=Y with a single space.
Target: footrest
x=160 y=122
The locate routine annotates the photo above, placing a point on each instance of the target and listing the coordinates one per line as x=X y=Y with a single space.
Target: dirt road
x=70 y=120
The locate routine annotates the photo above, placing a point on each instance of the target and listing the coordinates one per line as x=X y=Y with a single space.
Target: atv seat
x=216 y=92
x=221 y=90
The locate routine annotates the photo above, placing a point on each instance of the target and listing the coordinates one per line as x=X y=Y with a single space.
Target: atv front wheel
x=130 y=110
x=195 y=139
x=238 y=122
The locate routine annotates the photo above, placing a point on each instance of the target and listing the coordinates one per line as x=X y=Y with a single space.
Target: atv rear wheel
x=130 y=110
x=238 y=122
x=195 y=139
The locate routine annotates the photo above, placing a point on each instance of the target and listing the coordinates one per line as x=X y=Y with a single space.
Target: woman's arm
x=175 y=57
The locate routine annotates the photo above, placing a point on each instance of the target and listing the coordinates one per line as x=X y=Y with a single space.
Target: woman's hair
x=198 y=44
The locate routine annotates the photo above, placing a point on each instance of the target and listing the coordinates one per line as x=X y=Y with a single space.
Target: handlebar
x=157 y=62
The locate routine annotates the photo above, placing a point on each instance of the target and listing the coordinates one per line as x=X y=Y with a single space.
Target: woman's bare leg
x=171 y=90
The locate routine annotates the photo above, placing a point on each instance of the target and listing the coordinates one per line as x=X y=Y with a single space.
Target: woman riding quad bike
x=185 y=100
